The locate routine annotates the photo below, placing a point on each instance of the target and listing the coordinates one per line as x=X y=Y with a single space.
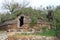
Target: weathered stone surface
x=3 y=36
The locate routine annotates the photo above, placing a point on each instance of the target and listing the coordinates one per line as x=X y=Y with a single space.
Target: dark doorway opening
x=21 y=20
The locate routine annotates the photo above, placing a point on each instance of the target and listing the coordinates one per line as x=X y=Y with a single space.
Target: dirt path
x=29 y=37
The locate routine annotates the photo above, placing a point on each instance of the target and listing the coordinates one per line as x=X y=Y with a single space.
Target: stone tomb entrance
x=21 y=19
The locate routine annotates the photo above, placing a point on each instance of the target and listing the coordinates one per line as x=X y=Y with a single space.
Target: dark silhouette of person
x=50 y=16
